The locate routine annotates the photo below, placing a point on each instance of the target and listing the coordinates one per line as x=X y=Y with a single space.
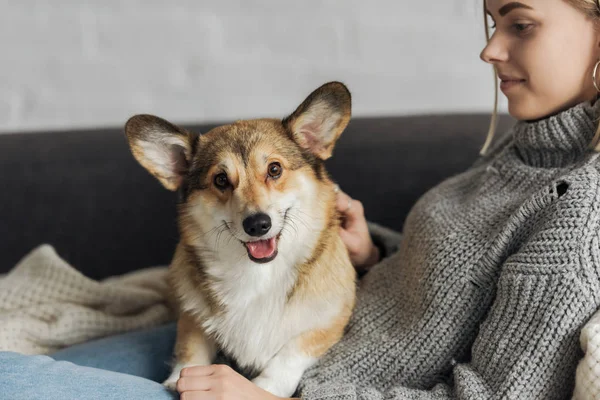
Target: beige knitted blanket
x=46 y=304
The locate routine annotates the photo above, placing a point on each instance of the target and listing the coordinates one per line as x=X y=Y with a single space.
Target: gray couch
x=83 y=193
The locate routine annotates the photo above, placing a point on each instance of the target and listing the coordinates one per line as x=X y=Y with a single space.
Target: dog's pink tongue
x=262 y=248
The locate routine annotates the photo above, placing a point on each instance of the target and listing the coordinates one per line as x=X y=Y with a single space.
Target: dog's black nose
x=257 y=224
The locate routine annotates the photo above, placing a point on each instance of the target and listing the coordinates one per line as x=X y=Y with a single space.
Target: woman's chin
x=526 y=111
x=521 y=112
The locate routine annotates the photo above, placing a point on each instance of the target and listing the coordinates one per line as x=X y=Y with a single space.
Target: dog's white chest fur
x=251 y=326
x=257 y=319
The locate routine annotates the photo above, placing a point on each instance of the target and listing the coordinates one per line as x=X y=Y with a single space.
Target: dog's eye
x=275 y=170
x=221 y=181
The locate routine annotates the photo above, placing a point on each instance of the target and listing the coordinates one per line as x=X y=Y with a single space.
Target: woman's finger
x=344 y=206
x=347 y=205
x=198 y=396
x=193 y=383
x=199 y=370
x=352 y=210
x=342 y=202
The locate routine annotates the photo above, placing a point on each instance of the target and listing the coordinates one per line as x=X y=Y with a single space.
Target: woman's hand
x=218 y=382
x=355 y=232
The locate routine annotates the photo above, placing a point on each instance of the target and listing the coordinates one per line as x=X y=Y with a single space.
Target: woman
x=497 y=271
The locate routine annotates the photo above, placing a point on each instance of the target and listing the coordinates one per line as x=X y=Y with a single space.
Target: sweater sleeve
x=527 y=346
x=387 y=240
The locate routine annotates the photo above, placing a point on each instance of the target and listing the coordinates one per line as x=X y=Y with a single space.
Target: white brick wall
x=86 y=63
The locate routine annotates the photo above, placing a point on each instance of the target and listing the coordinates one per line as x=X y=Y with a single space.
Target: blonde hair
x=591 y=8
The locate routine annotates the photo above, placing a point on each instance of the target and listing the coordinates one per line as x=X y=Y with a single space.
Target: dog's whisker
x=229 y=239
x=292 y=219
x=232 y=233
x=214 y=229
x=305 y=214
x=302 y=220
x=297 y=218
x=222 y=229
x=293 y=236
x=219 y=239
x=293 y=225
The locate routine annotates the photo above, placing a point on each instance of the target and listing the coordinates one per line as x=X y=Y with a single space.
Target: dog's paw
x=273 y=387
x=171 y=383
x=264 y=383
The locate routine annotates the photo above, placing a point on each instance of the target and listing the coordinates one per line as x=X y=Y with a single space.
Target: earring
x=594 y=76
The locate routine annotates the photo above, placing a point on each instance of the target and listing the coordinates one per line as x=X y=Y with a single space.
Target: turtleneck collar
x=558 y=140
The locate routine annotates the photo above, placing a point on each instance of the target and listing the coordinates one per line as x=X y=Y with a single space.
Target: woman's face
x=544 y=52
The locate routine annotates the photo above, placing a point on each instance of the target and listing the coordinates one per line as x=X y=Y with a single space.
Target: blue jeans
x=127 y=366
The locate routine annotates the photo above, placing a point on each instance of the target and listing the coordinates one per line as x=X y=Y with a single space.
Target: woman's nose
x=495 y=51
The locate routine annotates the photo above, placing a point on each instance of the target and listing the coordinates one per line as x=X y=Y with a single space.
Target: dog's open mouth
x=262 y=251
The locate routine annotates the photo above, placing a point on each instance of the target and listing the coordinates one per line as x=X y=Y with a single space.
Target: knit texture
x=46 y=304
x=496 y=273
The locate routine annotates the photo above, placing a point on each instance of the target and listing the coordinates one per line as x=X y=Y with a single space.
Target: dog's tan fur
x=324 y=277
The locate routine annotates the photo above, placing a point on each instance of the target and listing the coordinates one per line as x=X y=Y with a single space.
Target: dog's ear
x=162 y=148
x=320 y=120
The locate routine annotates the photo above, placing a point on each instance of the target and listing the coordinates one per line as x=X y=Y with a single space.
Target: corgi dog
x=260 y=272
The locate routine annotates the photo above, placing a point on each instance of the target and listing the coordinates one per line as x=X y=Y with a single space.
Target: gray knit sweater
x=496 y=273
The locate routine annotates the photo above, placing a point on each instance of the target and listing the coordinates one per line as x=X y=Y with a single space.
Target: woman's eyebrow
x=509 y=7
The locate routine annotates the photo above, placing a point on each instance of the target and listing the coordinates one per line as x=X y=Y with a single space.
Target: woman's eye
x=275 y=170
x=520 y=28
x=221 y=181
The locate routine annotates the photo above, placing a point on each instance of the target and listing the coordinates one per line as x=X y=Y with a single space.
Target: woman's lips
x=508 y=84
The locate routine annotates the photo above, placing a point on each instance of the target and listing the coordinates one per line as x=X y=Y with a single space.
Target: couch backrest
x=83 y=193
